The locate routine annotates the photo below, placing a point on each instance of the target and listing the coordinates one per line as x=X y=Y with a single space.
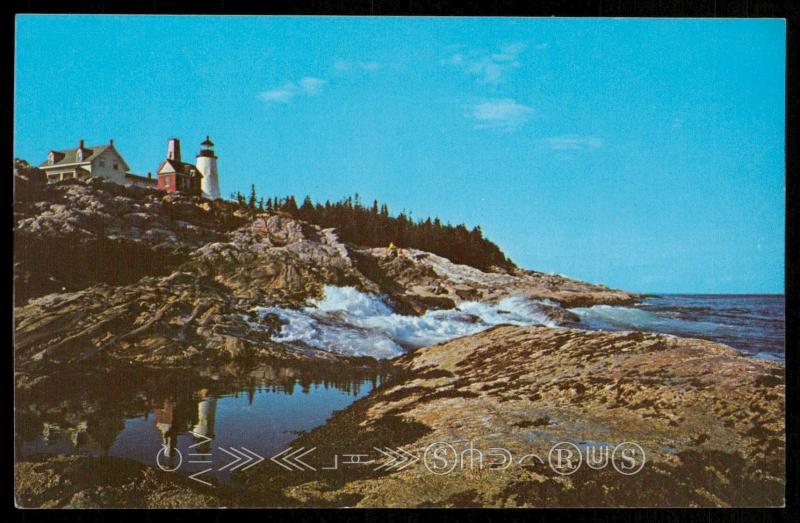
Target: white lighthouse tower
x=207 y=165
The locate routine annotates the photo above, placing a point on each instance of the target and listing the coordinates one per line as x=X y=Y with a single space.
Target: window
x=116 y=165
x=102 y=162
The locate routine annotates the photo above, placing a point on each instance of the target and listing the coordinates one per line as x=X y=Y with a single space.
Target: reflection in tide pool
x=192 y=426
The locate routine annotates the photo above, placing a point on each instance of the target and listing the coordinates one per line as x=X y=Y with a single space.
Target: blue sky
x=643 y=154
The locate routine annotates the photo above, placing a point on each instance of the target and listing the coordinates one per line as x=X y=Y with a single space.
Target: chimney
x=111 y=142
x=149 y=175
x=174 y=149
x=80 y=144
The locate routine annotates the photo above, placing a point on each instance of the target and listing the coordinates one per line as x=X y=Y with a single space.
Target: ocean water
x=348 y=321
x=752 y=324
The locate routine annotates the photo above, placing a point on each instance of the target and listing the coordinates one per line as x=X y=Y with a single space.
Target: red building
x=175 y=175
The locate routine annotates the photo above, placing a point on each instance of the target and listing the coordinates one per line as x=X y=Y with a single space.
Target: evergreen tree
x=306 y=211
x=290 y=205
x=374 y=227
x=253 y=198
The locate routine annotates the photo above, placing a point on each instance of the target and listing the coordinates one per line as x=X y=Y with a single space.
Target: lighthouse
x=207 y=165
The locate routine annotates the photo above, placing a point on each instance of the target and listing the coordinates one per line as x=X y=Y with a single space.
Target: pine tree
x=253 y=199
x=307 y=209
x=373 y=226
x=291 y=205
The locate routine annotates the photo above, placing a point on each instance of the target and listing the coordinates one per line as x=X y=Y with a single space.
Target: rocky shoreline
x=710 y=422
x=83 y=482
x=198 y=310
x=709 y=419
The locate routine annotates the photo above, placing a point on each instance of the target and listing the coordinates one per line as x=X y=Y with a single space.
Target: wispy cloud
x=308 y=85
x=280 y=94
x=350 y=65
x=573 y=142
x=488 y=67
x=506 y=114
x=311 y=85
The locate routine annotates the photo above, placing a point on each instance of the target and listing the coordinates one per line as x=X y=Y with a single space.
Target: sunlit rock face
x=427 y=278
x=710 y=422
x=169 y=279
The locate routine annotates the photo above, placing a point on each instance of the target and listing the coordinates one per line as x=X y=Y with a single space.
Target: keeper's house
x=98 y=160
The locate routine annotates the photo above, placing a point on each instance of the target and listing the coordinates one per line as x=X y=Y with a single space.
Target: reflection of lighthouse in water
x=165 y=424
x=206 y=415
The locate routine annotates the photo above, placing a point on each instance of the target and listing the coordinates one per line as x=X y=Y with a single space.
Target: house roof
x=143 y=179
x=180 y=167
x=70 y=156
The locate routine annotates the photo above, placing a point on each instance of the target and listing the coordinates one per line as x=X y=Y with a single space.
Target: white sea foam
x=610 y=317
x=355 y=323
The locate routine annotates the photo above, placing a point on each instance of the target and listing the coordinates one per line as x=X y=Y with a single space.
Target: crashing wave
x=354 y=323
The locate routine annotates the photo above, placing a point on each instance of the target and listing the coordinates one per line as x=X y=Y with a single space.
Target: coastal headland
x=115 y=285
